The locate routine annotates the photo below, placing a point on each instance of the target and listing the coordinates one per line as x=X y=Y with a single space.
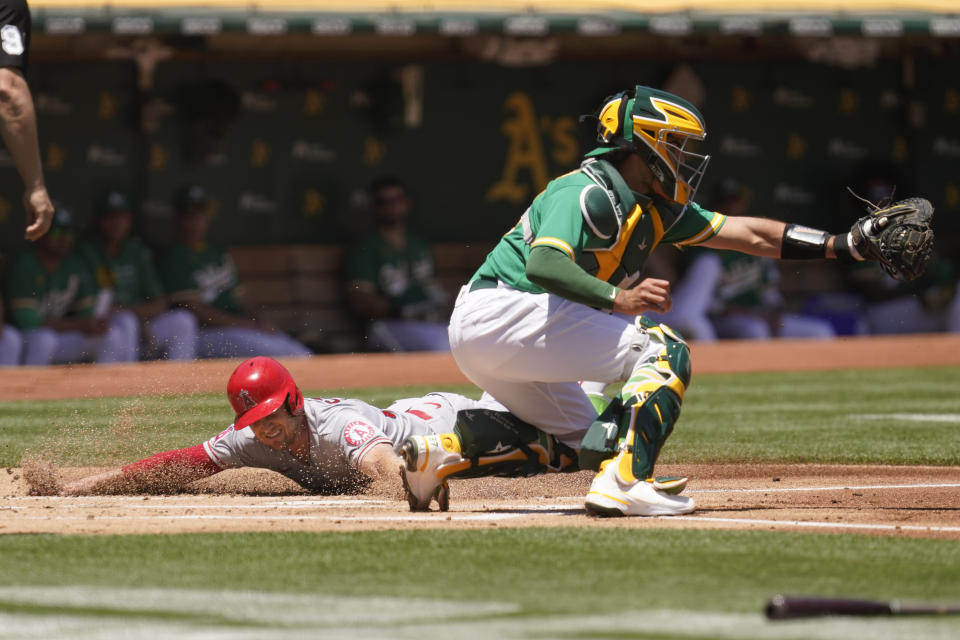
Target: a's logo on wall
x=56 y=157
x=259 y=153
x=373 y=151
x=10 y=40
x=849 y=102
x=314 y=203
x=951 y=101
x=901 y=150
x=107 y=107
x=314 y=102
x=158 y=157
x=951 y=195
x=526 y=162
x=796 y=146
x=740 y=99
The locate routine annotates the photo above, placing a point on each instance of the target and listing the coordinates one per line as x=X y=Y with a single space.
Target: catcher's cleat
x=611 y=495
x=428 y=462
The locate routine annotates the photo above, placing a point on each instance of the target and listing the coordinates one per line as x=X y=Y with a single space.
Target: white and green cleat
x=611 y=495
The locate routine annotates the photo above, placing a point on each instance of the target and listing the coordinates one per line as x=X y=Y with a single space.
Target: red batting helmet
x=259 y=387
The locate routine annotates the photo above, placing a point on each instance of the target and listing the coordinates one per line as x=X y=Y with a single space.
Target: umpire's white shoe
x=610 y=495
x=429 y=460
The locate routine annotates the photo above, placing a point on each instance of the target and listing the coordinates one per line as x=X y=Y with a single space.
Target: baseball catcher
x=560 y=299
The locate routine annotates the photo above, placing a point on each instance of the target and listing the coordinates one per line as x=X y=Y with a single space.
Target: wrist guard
x=803 y=243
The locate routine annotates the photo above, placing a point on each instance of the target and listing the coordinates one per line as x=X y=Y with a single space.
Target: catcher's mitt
x=898 y=236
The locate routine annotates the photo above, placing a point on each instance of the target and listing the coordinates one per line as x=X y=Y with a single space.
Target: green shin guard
x=652 y=424
x=500 y=444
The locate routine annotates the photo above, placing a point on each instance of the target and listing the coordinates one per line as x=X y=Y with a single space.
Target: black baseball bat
x=782 y=607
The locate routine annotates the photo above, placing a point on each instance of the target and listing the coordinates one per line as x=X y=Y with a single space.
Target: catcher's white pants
x=530 y=350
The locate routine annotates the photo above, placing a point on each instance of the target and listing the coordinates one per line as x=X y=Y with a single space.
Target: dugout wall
x=286 y=116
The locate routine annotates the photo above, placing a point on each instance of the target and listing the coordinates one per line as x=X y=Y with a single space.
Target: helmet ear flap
x=624 y=98
x=294 y=402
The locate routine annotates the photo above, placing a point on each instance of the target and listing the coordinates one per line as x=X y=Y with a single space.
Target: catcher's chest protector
x=624 y=226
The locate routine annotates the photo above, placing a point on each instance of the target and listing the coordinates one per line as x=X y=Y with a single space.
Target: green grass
x=511 y=574
x=601 y=581
x=711 y=570
x=830 y=416
x=798 y=417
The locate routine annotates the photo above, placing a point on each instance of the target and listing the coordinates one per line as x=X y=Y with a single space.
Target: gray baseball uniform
x=342 y=432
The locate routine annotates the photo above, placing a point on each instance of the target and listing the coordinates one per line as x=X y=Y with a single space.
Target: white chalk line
x=816 y=524
x=162 y=502
x=436 y=517
x=846 y=487
x=174 y=501
x=910 y=417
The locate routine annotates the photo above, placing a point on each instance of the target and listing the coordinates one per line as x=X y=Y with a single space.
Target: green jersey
x=130 y=274
x=36 y=296
x=207 y=272
x=404 y=276
x=747 y=281
x=592 y=216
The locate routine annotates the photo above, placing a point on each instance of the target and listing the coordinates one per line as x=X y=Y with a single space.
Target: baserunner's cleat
x=428 y=462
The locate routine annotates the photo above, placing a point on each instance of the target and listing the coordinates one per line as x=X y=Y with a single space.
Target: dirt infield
x=882 y=500
x=879 y=500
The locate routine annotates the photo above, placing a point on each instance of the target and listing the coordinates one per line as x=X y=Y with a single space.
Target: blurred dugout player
x=391 y=280
x=929 y=304
x=202 y=278
x=18 y=122
x=122 y=267
x=728 y=294
x=11 y=341
x=52 y=300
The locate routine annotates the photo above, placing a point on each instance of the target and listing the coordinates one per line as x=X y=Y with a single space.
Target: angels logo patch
x=358 y=433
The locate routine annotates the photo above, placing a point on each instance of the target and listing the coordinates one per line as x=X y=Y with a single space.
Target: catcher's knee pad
x=498 y=443
x=667 y=364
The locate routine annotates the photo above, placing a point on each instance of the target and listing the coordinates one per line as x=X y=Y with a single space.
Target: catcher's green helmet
x=662 y=129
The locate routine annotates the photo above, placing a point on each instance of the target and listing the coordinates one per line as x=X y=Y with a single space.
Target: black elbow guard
x=803 y=243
